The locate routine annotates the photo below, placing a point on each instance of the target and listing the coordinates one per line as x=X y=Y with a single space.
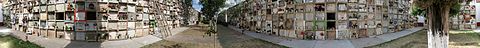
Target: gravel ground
x=195 y=38
x=415 y=40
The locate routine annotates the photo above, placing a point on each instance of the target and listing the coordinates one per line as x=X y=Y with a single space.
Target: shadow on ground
x=83 y=44
x=230 y=38
x=193 y=37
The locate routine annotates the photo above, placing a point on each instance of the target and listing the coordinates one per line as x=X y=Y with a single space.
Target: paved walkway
x=62 y=43
x=354 y=43
x=476 y=30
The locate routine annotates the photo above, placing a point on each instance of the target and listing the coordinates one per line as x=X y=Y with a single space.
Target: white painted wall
x=421 y=19
x=1 y=12
x=477 y=10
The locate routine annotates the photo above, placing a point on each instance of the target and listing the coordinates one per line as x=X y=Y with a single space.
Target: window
x=269 y=11
x=331 y=25
x=342 y=7
x=330 y=16
x=320 y=7
x=123 y=16
x=91 y=16
x=60 y=16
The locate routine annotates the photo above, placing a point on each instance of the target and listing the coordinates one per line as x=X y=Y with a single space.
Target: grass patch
x=12 y=42
x=464 y=39
x=414 y=40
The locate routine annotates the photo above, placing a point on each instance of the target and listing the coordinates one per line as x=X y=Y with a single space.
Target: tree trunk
x=438 y=25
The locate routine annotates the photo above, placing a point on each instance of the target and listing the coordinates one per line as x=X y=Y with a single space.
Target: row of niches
x=332 y=25
x=70 y=16
x=333 y=1
x=86 y=7
x=320 y=16
x=287 y=23
x=91 y=19
x=469 y=9
x=92 y=25
x=353 y=7
x=352 y=33
x=93 y=36
x=326 y=8
x=346 y=29
x=45 y=2
x=330 y=20
x=292 y=2
x=331 y=35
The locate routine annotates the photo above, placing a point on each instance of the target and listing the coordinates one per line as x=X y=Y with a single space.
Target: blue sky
x=198 y=6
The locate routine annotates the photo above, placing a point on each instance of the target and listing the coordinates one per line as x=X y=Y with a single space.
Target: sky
x=198 y=6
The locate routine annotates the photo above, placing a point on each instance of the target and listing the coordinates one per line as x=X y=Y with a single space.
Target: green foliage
x=417 y=11
x=455 y=9
x=211 y=7
x=17 y=43
x=188 y=2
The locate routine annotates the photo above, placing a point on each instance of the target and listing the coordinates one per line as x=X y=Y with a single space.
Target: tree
x=438 y=13
x=210 y=9
x=187 y=5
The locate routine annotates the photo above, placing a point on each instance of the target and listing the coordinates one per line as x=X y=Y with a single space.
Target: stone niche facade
x=323 y=19
x=93 y=20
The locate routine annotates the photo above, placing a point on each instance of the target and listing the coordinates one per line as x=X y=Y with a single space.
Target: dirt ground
x=195 y=37
x=464 y=39
x=414 y=40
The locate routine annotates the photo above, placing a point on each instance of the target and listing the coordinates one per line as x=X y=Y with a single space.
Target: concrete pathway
x=353 y=43
x=4 y=31
x=476 y=30
x=62 y=43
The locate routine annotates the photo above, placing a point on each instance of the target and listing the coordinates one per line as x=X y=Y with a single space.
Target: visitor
x=243 y=30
